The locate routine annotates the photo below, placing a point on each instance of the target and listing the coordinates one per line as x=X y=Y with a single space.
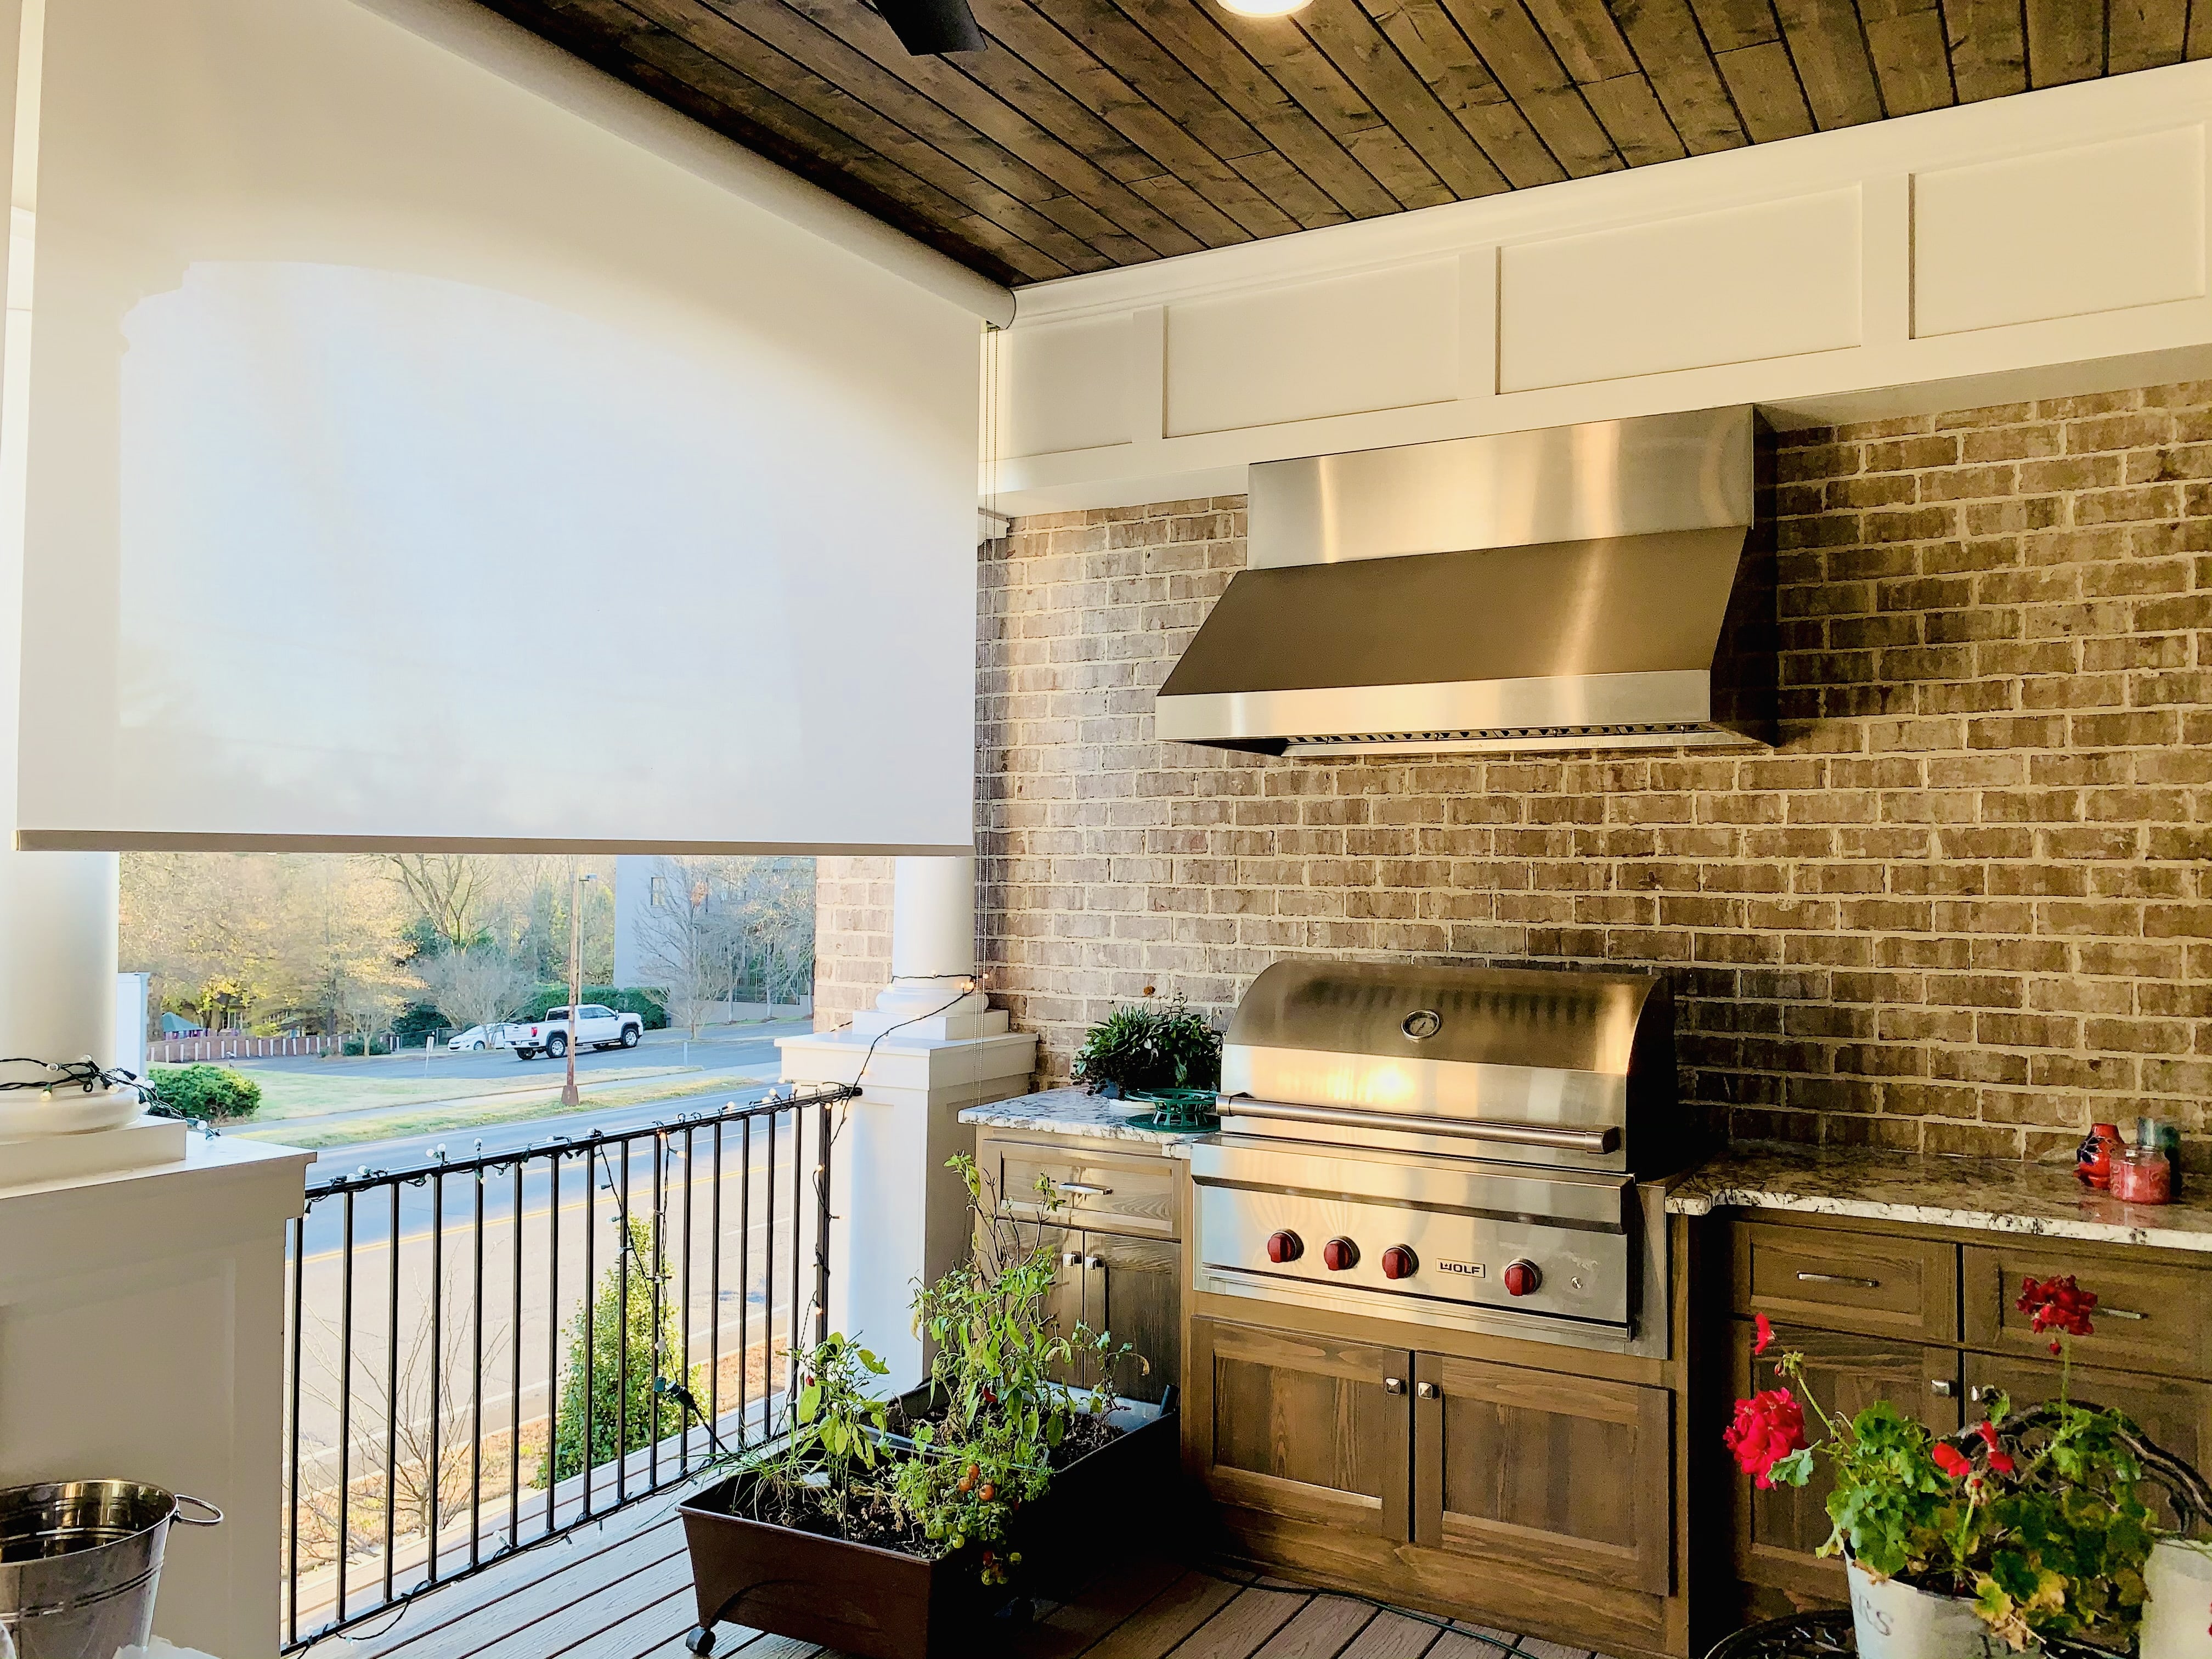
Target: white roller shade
x=414 y=458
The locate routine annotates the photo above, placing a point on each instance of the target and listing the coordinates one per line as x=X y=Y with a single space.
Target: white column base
x=898 y=1213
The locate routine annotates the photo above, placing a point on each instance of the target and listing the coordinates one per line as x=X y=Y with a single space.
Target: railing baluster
x=434 y=1475
x=345 y=1393
x=822 y=1229
x=590 y=1409
x=798 y=1210
x=714 y=1291
x=392 y=1395
x=553 y=1342
x=690 y=1284
x=768 y=1279
x=622 y=1262
x=476 y=1381
x=660 y=1265
x=744 y=1280
x=514 y=1374
x=297 y=1503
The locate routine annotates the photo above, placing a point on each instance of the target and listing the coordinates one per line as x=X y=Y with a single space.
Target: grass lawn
x=507 y=1106
x=306 y=1094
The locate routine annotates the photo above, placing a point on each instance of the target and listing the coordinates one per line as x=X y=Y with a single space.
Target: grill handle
x=1519 y=1135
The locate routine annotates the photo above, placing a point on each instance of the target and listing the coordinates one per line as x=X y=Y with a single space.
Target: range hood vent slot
x=1586 y=587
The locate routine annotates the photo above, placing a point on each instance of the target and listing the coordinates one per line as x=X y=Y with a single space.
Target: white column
x=932 y=1047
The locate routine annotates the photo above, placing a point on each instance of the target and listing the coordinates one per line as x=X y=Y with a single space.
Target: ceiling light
x=1264 y=8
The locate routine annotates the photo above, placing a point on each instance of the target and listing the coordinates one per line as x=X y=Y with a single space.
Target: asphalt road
x=717 y=1046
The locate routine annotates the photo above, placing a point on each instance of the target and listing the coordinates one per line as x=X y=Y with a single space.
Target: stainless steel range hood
x=1583 y=588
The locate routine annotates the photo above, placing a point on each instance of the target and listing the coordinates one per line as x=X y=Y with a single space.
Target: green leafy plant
x=1155 y=1046
x=1000 y=1417
x=212 y=1093
x=2037 y=1518
x=628 y=1350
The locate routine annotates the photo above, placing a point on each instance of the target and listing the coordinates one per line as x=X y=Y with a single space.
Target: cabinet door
x=1132 y=1290
x=2149 y=1317
x=1532 y=1469
x=1777 y=1531
x=2176 y=1413
x=1307 y=1427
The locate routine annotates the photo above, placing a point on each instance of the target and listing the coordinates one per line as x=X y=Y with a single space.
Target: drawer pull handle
x=1839 y=1278
x=1094 y=1261
x=1081 y=1189
x=1394 y=1385
x=1426 y=1390
x=2120 y=1313
x=1942 y=1386
x=1073 y=1259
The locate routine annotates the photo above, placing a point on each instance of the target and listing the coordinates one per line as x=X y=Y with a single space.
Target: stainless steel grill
x=1447 y=1146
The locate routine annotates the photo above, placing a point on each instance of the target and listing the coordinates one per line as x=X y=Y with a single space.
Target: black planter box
x=878 y=1603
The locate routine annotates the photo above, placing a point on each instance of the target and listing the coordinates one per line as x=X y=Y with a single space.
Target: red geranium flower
x=2057 y=1303
x=1952 y=1462
x=1768 y=1427
x=1765 y=1329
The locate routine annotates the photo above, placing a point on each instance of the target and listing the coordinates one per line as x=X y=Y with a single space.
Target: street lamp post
x=577 y=878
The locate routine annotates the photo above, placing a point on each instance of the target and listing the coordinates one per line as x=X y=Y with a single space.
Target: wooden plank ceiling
x=1093 y=133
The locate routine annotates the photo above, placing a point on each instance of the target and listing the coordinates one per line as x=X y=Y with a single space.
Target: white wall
x=396 y=396
x=2049 y=243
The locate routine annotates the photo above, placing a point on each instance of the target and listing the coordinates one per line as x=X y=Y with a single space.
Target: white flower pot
x=2178 y=1615
x=1896 y=1621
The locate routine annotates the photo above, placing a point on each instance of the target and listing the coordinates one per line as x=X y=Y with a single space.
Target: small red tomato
x=989 y=1492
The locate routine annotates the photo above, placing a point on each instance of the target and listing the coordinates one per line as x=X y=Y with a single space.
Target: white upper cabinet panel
x=2065 y=234
x=1773 y=279
x=1038 y=366
x=1382 y=339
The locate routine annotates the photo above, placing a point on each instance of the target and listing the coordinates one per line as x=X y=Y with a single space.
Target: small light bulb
x=1264 y=8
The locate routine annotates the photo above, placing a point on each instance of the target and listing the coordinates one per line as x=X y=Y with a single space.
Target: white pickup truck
x=595 y=1027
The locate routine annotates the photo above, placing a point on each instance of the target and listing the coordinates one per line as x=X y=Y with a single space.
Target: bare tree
x=480 y=986
x=684 y=940
x=448 y=889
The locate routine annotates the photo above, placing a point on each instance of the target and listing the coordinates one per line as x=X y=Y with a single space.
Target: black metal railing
x=467 y=1395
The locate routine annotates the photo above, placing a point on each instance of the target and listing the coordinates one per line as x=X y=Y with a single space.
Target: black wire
x=87 y=1074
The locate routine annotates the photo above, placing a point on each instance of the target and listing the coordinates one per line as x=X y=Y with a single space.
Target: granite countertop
x=1988 y=1195
x=1075 y=1112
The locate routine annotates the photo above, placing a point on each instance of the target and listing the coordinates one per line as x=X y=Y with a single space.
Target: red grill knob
x=1399 y=1261
x=1285 y=1247
x=1340 y=1254
x=1521 y=1277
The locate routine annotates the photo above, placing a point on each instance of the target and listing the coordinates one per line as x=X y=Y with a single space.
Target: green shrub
x=633 y=1414
x=213 y=1092
x=626 y=999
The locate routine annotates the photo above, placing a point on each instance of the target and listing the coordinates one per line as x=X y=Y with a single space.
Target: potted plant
x=2015 y=1529
x=894 y=1529
x=1162 y=1053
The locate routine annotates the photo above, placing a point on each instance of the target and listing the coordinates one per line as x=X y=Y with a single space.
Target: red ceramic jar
x=2092 y=1162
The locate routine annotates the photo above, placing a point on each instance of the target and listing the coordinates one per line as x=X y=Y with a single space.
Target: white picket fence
x=230 y=1045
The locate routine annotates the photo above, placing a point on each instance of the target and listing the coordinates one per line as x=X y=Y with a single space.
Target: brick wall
x=1962 y=907
x=852 y=936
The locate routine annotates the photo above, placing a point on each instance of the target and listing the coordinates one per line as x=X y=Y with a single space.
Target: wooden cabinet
x=2149 y=1316
x=1131 y=1192
x=1305 y=1427
x=1778 y=1531
x=1131 y=1290
x=1532 y=1469
x=1848 y=1281
x=2174 y=1412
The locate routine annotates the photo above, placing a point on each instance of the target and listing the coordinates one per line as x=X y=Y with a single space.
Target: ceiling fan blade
x=927 y=28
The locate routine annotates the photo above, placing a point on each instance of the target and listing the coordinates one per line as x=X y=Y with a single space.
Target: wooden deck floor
x=622 y=1590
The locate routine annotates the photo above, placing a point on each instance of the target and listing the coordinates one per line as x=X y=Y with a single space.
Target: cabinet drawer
x=1848 y=1281
x=2148 y=1318
x=1124 y=1192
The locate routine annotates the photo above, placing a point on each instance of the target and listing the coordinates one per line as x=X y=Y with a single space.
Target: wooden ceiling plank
x=2142 y=34
x=1764 y=83
x=1904 y=38
x=1061 y=141
x=1184 y=27
x=1019 y=28
x=1829 y=48
x=869 y=123
x=1732 y=25
x=1370 y=63
x=1147 y=65
x=848 y=68
x=1041 y=98
x=770 y=109
x=1305 y=73
x=1531 y=72
x=1434 y=48
x=1668 y=44
x=597 y=45
x=1988 y=49
x=2065 y=41
x=1588 y=42
x=1631 y=113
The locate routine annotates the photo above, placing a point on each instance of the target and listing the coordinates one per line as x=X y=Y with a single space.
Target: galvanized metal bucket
x=80 y=1561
